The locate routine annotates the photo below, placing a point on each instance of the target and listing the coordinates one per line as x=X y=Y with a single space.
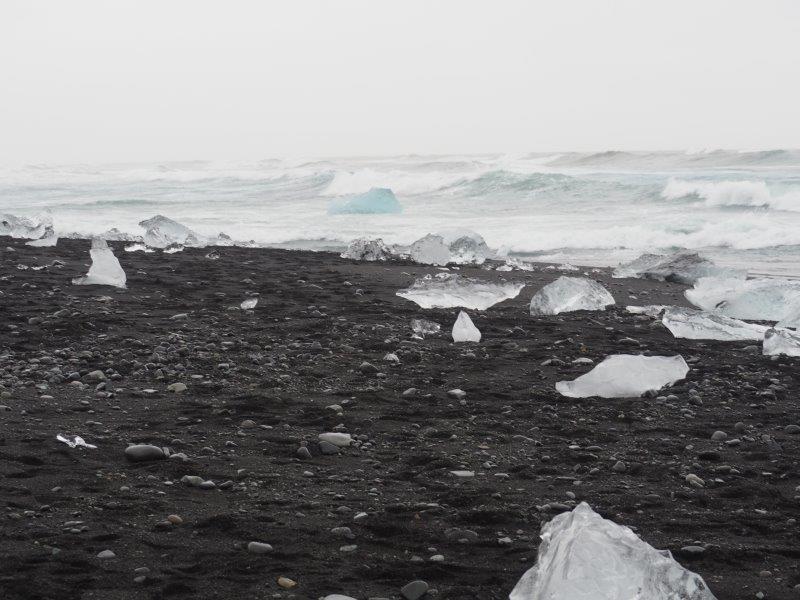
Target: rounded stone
x=143 y=452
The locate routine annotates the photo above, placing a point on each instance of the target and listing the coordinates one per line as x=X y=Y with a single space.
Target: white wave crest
x=731 y=193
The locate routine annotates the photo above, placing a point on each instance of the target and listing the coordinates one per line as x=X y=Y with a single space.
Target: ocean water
x=740 y=208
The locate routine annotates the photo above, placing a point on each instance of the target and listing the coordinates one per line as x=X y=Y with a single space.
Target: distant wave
x=731 y=193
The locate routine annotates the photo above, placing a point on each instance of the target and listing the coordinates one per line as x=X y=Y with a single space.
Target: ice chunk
x=449 y=291
x=138 y=248
x=78 y=441
x=626 y=376
x=49 y=240
x=162 y=232
x=651 y=310
x=583 y=556
x=681 y=267
x=464 y=330
x=115 y=235
x=367 y=249
x=377 y=201
x=567 y=294
x=423 y=327
x=702 y=325
x=762 y=299
x=459 y=246
x=781 y=341
x=32 y=229
x=105 y=269
x=249 y=304
x=173 y=249
x=792 y=317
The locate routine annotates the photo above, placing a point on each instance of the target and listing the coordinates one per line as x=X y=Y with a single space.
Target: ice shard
x=761 y=299
x=583 y=556
x=567 y=294
x=40 y=226
x=681 y=267
x=450 y=291
x=422 y=327
x=105 y=269
x=626 y=376
x=781 y=341
x=703 y=325
x=464 y=330
x=163 y=232
x=248 y=304
x=367 y=250
x=377 y=201
x=457 y=246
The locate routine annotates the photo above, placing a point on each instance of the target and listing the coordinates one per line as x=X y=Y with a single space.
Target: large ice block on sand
x=162 y=232
x=457 y=246
x=49 y=240
x=464 y=330
x=449 y=291
x=762 y=299
x=567 y=294
x=626 y=376
x=781 y=341
x=377 y=201
x=40 y=226
x=105 y=269
x=703 y=325
x=681 y=267
x=583 y=556
x=367 y=250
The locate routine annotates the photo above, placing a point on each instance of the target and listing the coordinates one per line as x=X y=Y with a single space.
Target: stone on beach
x=626 y=376
x=143 y=452
x=567 y=294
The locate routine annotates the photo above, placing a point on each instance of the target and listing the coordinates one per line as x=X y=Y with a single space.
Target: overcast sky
x=141 y=80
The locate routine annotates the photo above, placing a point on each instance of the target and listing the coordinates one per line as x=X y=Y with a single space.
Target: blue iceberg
x=377 y=201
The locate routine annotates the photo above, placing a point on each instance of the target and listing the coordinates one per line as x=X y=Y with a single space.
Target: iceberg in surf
x=761 y=299
x=681 y=267
x=702 y=325
x=367 y=250
x=458 y=246
x=36 y=228
x=449 y=291
x=105 y=269
x=583 y=556
x=163 y=232
x=567 y=294
x=792 y=317
x=626 y=376
x=781 y=341
x=464 y=330
x=377 y=201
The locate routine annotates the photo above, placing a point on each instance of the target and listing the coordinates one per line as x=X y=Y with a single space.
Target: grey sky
x=100 y=80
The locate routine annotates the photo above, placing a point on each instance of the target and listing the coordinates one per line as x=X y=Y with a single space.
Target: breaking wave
x=731 y=193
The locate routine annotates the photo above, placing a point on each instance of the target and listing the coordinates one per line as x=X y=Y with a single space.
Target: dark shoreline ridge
x=268 y=380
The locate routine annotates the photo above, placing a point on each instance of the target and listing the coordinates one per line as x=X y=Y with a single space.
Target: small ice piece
x=702 y=325
x=583 y=556
x=249 y=304
x=464 y=330
x=163 y=232
x=450 y=291
x=115 y=235
x=626 y=376
x=40 y=226
x=567 y=294
x=105 y=269
x=377 y=201
x=681 y=267
x=458 y=246
x=651 y=310
x=781 y=341
x=78 y=441
x=138 y=248
x=792 y=317
x=367 y=249
x=173 y=249
x=48 y=241
x=761 y=299
x=423 y=327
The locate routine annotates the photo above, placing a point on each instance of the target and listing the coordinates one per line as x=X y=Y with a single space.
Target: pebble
x=143 y=452
x=258 y=548
x=303 y=453
x=414 y=590
x=328 y=448
x=457 y=394
x=177 y=388
x=286 y=583
x=792 y=429
x=105 y=554
x=718 y=436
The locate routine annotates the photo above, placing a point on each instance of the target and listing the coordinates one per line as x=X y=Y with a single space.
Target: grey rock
x=144 y=452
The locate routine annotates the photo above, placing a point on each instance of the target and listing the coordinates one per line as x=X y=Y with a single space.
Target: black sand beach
x=260 y=384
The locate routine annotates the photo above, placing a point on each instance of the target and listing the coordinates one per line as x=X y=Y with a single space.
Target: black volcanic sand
x=286 y=364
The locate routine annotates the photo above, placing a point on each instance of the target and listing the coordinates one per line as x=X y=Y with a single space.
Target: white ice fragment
x=78 y=441
x=781 y=341
x=792 y=317
x=464 y=330
x=453 y=291
x=173 y=249
x=583 y=556
x=423 y=327
x=651 y=310
x=340 y=440
x=40 y=226
x=681 y=267
x=459 y=246
x=249 y=304
x=105 y=269
x=367 y=249
x=702 y=325
x=138 y=247
x=762 y=299
x=48 y=241
x=626 y=376
x=567 y=294
x=162 y=232
x=377 y=201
